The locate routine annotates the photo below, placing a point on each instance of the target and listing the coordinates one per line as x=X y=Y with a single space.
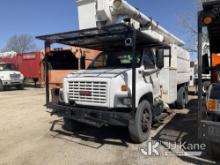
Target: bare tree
x=20 y=43
x=188 y=21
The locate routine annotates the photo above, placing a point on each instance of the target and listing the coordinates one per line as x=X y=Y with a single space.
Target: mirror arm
x=148 y=73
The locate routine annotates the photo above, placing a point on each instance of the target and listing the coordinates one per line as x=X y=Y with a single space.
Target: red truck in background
x=29 y=64
x=62 y=62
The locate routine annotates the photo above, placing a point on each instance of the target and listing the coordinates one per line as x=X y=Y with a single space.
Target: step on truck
x=140 y=71
x=209 y=105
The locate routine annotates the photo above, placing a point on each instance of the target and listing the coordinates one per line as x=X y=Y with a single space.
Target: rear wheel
x=182 y=98
x=140 y=128
x=1 y=86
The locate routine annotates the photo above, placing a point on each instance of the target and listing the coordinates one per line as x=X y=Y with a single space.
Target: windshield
x=7 y=67
x=115 y=59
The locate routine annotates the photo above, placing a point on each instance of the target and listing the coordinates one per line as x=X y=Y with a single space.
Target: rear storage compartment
x=61 y=63
x=176 y=72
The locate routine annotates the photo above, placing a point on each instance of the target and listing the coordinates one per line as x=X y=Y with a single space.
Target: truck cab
x=107 y=83
x=10 y=77
x=107 y=86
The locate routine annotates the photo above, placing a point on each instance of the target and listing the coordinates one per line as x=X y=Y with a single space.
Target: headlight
x=2 y=77
x=61 y=98
x=123 y=102
x=126 y=101
x=21 y=76
x=213 y=105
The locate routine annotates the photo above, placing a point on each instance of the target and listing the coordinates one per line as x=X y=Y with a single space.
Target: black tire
x=140 y=128
x=182 y=98
x=35 y=82
x=1 y=86
x=214 y=150
x=20 y=87
x=71 y=125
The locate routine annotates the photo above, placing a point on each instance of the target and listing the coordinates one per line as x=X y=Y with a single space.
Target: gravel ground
x=30 y=136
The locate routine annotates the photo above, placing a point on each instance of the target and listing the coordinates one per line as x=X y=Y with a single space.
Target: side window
x=100 y=61
x=148 y=59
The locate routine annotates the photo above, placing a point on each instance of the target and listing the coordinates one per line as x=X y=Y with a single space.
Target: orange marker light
x=207 y=20
x=212 y=105
x=124 y=88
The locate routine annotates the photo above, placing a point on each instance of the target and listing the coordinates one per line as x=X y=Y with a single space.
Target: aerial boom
x=93 y=13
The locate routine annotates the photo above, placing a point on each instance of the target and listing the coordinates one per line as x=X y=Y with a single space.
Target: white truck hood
x=102 y=73
x=5 y=75
x=9 y=72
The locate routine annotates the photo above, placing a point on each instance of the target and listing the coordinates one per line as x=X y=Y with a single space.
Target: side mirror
x=160 y=58
x=82 y=62
x=205 y=64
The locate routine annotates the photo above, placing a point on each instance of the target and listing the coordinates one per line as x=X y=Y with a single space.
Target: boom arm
x=94 y=13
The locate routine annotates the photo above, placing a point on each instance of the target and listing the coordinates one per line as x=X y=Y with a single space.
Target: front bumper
x=90 y=116
x=12 y=82
x=210 y=131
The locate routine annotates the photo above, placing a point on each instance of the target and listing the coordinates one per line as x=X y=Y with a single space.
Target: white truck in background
x=10 y=77
x=122 y=87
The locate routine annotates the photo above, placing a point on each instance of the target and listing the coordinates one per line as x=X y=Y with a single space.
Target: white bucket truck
x=141 y=69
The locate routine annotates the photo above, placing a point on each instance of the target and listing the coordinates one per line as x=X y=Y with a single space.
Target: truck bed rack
x=108 y=37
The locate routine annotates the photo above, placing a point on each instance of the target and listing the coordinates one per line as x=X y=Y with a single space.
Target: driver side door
x=150 y=68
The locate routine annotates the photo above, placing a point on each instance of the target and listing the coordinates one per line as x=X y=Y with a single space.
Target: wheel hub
x=145 y=121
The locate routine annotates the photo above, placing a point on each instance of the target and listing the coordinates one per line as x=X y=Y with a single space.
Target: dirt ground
x=30 y=136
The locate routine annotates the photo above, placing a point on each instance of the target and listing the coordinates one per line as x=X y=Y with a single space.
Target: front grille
x=87 y=92
x=15 y=76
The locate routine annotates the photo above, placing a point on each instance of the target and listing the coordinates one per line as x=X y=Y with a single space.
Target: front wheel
x=20 y=87
x=140 y=128
x=1 y=86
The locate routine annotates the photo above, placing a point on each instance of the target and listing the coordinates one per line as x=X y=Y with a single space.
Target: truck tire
x=214 y=150
x=1 y=86
x=71 y=125
x=182 y=98
x=20 y=87
x=140 y=128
